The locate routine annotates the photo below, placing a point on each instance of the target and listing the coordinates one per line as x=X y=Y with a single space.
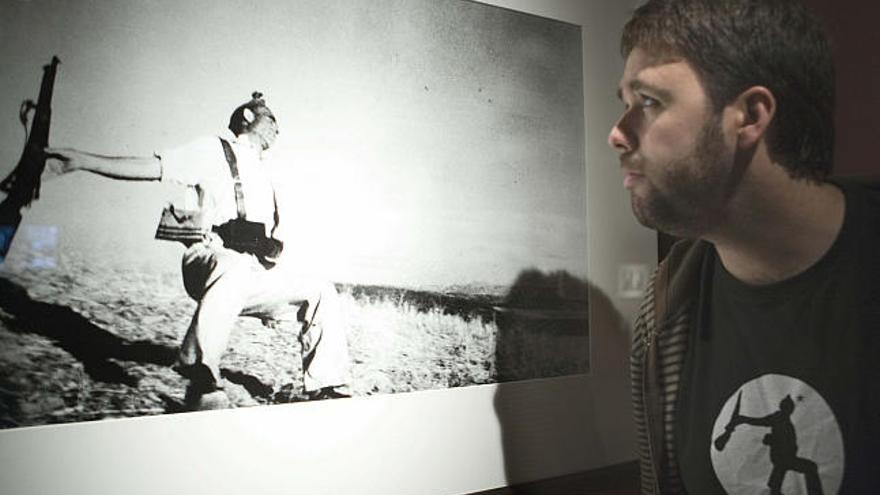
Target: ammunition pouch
x=249 y=237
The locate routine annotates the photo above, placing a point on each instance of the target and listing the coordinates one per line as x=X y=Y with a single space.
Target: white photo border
x=439 y=442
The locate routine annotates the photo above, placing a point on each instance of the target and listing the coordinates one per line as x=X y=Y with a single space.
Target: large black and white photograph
x=211 y=205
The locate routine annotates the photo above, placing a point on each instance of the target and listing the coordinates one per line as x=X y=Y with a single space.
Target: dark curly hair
x=736 y=44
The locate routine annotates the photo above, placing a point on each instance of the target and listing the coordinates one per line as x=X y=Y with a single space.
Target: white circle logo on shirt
x=776 y=435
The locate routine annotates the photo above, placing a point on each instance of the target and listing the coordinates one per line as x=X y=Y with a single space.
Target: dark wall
x=852 y=25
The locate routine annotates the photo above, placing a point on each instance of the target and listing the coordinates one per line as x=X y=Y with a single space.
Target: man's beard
x=695 y=188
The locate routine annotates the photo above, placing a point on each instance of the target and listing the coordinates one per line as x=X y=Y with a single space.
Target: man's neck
x=778 y=227
x=251 y=142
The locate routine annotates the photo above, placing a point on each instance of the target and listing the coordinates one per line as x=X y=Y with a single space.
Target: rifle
x=22 y=185
x=722 y=439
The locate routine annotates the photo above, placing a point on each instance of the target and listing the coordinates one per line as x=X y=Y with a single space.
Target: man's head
x=679 y=164
x=255 y=118
x=708 y=85
x=786 y=405
x=737 y=44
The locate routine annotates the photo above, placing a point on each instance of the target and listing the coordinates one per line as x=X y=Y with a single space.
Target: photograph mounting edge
x=446 y=441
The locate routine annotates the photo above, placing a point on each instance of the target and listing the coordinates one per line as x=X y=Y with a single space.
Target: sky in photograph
x=423 y=142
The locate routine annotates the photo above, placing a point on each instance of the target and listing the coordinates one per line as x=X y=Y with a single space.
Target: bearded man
x=726 y=141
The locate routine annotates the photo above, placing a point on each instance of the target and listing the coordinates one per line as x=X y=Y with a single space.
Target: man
x=726 y=139
x=238 y=267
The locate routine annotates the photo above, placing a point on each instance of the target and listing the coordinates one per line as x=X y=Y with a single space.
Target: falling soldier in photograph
x=782 y=441
x=234 y=264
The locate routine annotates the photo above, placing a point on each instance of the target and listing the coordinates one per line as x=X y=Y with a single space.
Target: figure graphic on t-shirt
x=782 y=441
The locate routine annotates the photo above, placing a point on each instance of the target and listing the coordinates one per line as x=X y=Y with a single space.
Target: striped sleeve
x=644 y=322
x=672 y=347
x=670 y=340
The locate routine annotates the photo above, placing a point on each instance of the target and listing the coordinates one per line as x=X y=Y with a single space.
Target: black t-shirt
x=782 y=383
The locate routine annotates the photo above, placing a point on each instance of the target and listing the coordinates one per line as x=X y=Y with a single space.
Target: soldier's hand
x=269 y=249
x=61 y=161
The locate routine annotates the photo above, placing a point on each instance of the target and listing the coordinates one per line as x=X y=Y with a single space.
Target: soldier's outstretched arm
x=66 y=160
x=761 y=421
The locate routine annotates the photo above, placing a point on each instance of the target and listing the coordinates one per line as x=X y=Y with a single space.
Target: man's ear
x=248 y=115
x=755 y=108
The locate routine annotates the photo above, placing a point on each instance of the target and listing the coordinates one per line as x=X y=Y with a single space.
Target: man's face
x=265 y=129
x=672 y=147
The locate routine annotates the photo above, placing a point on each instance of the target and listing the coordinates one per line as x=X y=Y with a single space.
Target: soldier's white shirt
x=202 y=163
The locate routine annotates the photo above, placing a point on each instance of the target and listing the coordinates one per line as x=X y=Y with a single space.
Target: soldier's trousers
x=228 y=284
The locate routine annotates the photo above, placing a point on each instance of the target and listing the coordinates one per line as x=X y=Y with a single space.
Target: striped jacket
x=660 y=340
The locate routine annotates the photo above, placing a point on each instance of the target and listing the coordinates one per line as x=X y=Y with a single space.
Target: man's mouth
x=630 y=179
x=630 y=176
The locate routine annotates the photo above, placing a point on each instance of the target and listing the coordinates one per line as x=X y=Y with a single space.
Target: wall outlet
x=632 y=280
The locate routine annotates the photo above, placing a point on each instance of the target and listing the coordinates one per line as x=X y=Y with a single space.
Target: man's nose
x=619 y=138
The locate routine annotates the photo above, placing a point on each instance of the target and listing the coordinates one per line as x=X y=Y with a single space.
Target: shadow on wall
x=543 y=327
x=573 y=325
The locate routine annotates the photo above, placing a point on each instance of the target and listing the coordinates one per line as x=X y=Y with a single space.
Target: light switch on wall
x=632 y=279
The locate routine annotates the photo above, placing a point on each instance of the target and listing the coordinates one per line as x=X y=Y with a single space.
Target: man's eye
x=648 y=102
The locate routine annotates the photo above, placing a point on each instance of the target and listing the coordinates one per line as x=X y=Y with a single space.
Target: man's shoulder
x=862 y=196
x=868 y=186
x=191 y=162
x=202 y=145
x=677 y=280
x=684 y=260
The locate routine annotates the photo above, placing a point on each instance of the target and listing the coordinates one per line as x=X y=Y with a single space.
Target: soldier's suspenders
x=236 y=179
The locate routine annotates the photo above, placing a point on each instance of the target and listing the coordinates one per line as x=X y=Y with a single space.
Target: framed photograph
x=434 y=163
